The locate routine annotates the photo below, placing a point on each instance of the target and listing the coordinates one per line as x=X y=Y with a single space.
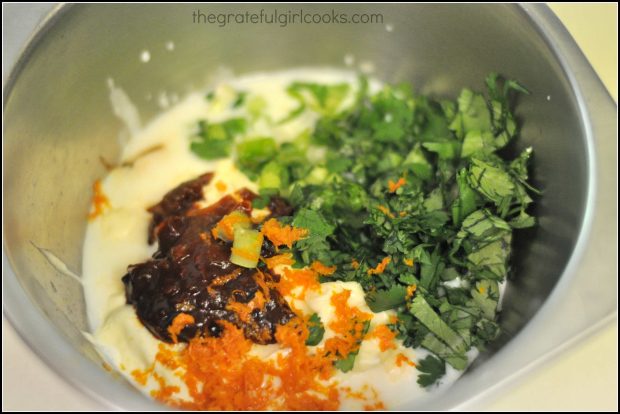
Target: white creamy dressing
x=160 y=159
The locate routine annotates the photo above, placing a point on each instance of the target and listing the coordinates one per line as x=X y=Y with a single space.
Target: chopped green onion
x=225 y=228
x=246 y=247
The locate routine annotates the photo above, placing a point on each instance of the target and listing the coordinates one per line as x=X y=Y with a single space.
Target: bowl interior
x=59 y=121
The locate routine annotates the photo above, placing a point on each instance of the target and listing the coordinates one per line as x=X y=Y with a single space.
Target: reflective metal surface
x=58 y=122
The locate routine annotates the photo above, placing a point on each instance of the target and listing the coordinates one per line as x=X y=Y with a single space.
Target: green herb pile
x=410 y=179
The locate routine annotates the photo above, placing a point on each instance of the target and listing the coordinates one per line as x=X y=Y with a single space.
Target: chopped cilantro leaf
x=425 y=314
x=381 y=300
x=346 y=364
x=446 y=227
x=215 y=140
x=252 y=154
x=239 y=100
x=315 y=330
x=432 y=369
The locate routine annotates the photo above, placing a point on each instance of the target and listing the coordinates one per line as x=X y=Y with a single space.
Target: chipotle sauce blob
x=191 y=272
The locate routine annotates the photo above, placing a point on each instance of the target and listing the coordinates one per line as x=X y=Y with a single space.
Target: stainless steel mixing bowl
x=58 y=122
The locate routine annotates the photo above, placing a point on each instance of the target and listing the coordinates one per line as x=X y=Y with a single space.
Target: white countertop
x=583 y=378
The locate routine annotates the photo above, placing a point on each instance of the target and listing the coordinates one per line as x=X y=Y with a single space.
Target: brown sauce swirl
x=191 y=272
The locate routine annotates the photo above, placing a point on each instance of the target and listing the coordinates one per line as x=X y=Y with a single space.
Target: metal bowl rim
x=50 y=346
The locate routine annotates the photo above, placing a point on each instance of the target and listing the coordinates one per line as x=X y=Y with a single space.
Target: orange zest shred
x=244 y=310
x=241 y=309
x=221 y=186
x=223 y=279
x=321 y=269
x=359 y=395
x=402 y=359
x=348 y=325
x=285 y=259
x=291 y=279
x=222 y=374
x=411 y=290
x=282 y=235
x=386 y=211
x=385 y=336
x=167 y=357
x=393 y=186
x=377 y=404
x=380 y=267
x=141 y=377
x=100 y=201
x=165 y=391
x=262 y=283
x=408 y=262
x=226 y=226
x=366 y=394
x=178 y=324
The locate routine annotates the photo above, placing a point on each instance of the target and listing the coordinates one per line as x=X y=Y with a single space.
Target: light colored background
x=584 y=378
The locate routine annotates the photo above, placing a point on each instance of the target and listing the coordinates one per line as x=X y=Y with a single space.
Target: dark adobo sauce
x=191 y=272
